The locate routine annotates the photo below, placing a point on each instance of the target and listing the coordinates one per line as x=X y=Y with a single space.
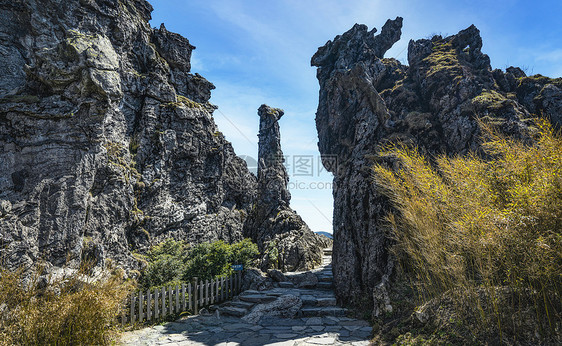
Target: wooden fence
x=156 y=304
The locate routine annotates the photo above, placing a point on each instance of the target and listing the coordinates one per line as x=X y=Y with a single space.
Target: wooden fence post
x=163 y=311
x=177 y=293
x=195 y=296
x=183 y=302
x=156 y=305
x=217 y=297
x=141 y=301
x=133 y=309
x=190 y=295
x=201 y=293
x=148 y=305
x=207 y=292
x=170 y=301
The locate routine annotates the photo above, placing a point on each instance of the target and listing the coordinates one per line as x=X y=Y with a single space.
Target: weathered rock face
x=366 y=100
x=278 y=230
x=107 y=140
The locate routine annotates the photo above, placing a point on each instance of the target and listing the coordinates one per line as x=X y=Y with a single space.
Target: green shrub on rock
x=173 y=261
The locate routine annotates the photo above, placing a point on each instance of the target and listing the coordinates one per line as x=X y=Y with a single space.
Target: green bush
x=174 y=261
x=467 y=224
x=165 y=269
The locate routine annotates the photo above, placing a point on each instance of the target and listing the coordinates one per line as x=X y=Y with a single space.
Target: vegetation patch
x=183 y=102
x=489 y=100
x=540 y=79
x=116 y=155
x=443 y=59
x=65 y=311
x=485 y=235
x=172 y=262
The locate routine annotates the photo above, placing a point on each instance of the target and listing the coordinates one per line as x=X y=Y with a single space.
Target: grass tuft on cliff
x=60 y=311
x=484 y=233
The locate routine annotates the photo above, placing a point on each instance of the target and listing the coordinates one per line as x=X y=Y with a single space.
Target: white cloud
x=552 y=56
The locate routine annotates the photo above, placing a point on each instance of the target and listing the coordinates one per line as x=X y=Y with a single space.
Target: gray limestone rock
x=278 y=230
x=107 y=141
x=254 y=279
x=367 y=101
x=285 y=306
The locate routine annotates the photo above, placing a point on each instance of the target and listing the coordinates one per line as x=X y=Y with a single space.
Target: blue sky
x=259 y=52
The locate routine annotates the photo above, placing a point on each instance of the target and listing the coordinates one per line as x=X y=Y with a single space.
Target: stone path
x=318 y=321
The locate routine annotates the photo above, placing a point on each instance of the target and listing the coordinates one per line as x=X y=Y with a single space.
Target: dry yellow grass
x=465 y=224
x=67 y=311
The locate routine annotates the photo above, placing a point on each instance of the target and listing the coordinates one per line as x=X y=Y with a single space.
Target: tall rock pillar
x=284 y=238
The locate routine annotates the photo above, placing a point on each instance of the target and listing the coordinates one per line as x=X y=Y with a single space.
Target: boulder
x=285 y=306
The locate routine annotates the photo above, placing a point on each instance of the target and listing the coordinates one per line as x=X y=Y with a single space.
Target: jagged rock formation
x=367 y=100
x=107 y=140
x=285 y=238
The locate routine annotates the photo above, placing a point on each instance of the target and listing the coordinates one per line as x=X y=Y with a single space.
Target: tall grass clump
x=485 y=228
x=68 y=310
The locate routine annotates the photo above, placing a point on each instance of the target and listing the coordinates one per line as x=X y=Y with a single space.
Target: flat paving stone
x=282 y=343
x=313 y=321
x=327 y=340
x=259 y=340
x=236 y=326
x=317 y=328
x=286 y=336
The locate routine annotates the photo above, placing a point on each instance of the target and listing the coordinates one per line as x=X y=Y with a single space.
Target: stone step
x=242 y=304
x=326 y=302
x=233 y=311
x=257 y=298
x=325 y=285
x=286 y=284
x=325 y=278
x=311 y=301
x=323 y=311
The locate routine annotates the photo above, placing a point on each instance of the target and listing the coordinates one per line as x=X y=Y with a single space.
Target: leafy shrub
x=164 y=270
x=174 y=261
x=68 y=311
x=470 y=223
x=244 y=252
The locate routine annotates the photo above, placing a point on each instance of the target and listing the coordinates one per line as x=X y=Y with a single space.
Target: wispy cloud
x=552 y=56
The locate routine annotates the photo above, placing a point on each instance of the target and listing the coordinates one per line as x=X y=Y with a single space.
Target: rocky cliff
x=367 y=100
x=109 y=143
x=279 y=231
